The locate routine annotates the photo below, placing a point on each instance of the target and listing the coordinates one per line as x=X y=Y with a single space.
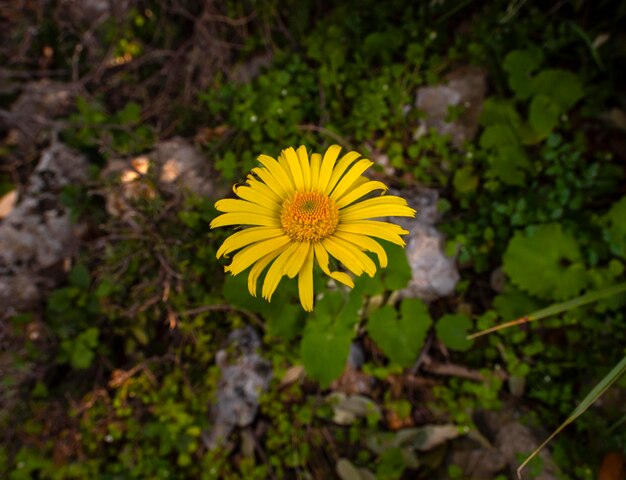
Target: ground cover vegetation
x=128 y=359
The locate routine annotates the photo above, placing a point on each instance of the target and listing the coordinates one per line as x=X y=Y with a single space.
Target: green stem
x=558 y=308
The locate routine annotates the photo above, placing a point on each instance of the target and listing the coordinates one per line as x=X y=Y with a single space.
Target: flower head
x=298 y=211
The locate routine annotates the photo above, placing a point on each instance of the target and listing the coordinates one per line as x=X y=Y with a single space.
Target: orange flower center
x=309 y=217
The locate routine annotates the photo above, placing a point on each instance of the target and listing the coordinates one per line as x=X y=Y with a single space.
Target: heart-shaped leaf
x=452 y=331
x=325 y=349
x=401 y=338
x=327 y=337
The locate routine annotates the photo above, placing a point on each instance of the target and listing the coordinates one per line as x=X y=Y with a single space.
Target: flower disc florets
x=309 y=217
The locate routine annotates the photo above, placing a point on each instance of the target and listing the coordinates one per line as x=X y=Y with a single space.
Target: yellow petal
x=369 y=266
x=365 y=243
x=354 y=260
x=277 y=171
x=305 y=282
x=295 y=168
x=328 y=164
x=373 y=228
x=255 y=195
x=252 y=253
x=259 y=266
x=359 y=181
x=241 y=218
x=322 y=259
x=273 y=184
x=316 y=160
x=231 y=205
x=377 y=212
x=282 y=161
x=246 y=237
x=303 y=158
x=277 y=271
x=383 y=206
x=297 y=259
x=263 y=188
x=350 y=177
x=339 y=170
x=382 y=200
x=360 y=191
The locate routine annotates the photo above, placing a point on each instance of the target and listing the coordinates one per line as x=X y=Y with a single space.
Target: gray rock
x=32 y=113
x=179 y=165
x=93 y=12
x=243 y=380
x=434 y=274
x=464 y=88
x=38 y=234
x=513 y=439
x=509 y=440
x=247 y=71
x=182 y=164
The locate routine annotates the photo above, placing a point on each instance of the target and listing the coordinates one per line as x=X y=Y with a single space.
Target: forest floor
x=127 y=352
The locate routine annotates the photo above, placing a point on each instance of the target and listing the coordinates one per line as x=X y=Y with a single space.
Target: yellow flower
x=298 y=211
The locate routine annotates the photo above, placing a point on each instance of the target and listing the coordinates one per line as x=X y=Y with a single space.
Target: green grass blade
x=591 y=397
x=559 y=308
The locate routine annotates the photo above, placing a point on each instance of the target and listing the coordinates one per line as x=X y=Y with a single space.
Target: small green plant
x=120 y=133
x=551 y=92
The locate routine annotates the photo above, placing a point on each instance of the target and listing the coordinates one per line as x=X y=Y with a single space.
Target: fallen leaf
x=292 y=375
x=427 y=437
x=613 y=467
x=7 y=202
x=347 y=471
x=347 y=408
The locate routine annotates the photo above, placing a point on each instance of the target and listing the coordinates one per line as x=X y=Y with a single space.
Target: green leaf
x=130 y=114
x=284 y=317
x=614 y=223
x=401 y=339
x=227 y=165
x=79 y=352
x=324 y=350
x=543 y=115
x=90 y=337
x=509 y=163
x=546 y=262
x=328 y=334
x=452 y=331
x=500 y=111
x=398 y=273
x=562 y=87
x=79 y=276
x=284 y=321
x=499 y=135
x=5 y=184
x=520 y=64
x=514 y=303
x=391 y=464
x=465 y=180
